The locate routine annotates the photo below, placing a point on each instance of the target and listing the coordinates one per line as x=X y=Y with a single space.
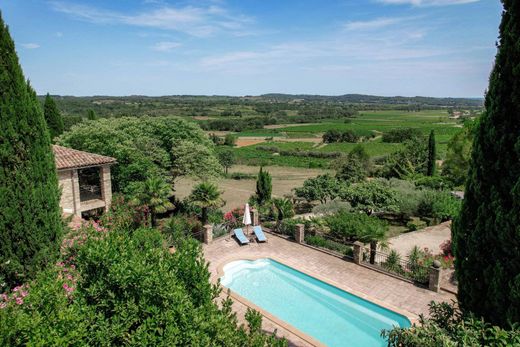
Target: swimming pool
x=328 y=314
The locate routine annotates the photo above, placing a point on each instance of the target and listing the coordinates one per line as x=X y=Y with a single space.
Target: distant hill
x=380 y=100
x=283 y=107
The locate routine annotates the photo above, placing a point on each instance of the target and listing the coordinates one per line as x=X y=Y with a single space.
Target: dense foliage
x=332 y=136
x=458 y=155
x=53 y=117
x=355 y=167
x=154 y=194
x=487 y=234
x=121 y=288
x=146 y=146
x=30 y=216
x=355 y=227
x=371 y=196
x=431 y=168
x=206 y=195
x=264 y=187
x=226 y=158
x=308 y=108
x=321 y=188
x=408 y=161
x=401 y=135
x=446 y=327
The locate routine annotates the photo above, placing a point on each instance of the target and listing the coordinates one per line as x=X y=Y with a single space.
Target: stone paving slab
x=382 y=289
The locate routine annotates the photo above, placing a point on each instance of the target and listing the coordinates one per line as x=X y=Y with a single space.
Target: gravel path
x=431 y=237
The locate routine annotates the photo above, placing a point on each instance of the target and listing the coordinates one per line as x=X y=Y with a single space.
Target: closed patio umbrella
x=247 y=217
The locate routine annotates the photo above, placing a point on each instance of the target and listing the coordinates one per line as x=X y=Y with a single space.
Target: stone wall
x=70 y=199
x=106 y=185
x=67 y=191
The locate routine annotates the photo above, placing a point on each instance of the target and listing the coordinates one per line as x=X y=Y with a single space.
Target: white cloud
x=191 y=20
x=165 y=46
x=377 y=23
x=30 y=45
x=427 y=2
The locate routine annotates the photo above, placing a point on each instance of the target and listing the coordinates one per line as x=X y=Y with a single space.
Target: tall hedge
x=30 y=221
x=52 y=117
x=487 y=233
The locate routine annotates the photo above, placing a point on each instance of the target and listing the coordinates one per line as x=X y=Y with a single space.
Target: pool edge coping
x=307 y=338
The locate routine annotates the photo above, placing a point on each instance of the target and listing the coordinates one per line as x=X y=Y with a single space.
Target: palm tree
x=373 y=233
x=284 y=209
x=206 y=195
x=154 y=193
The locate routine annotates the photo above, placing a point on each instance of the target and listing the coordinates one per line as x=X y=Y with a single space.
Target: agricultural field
x=236 y=192
x=306 y=137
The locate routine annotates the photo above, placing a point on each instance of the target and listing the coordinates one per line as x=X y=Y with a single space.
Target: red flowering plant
x=233 y=218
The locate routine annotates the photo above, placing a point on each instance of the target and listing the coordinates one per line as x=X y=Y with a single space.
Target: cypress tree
x=432 y=154
x=487 y=233
x=52 y=117
x=263 y=186
x=30 y=220
x=91 y=115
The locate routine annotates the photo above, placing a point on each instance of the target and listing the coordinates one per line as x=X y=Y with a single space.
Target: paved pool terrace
x=392 y=293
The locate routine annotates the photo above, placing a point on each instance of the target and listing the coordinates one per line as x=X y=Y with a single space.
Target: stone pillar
x=256 y=220
x=358 y=252
x=208 y=233
x=75 y=192
x=434 y=282
x=106 y=185
x=299 y=233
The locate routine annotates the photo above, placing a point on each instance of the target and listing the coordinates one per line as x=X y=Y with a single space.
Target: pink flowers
x=67 y=288
x=17 y=295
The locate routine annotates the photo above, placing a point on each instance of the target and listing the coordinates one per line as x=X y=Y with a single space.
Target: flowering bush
x=122 y=288
x=425 y=257
x=233 y=218
x=125 y=216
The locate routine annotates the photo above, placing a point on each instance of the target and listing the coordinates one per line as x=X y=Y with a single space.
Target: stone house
x=84 y=179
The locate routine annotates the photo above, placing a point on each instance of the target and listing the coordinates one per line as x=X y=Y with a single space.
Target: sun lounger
x=239 y=234
x=260 y=236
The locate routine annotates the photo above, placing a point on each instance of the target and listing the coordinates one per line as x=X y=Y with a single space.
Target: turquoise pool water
x=328 y=314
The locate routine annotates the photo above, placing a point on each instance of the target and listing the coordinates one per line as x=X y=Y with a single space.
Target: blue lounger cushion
x=239 y=234
x=259 y=234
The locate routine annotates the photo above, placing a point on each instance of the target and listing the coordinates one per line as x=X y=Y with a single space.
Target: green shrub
x=320 y=241
x=288 y=227
x=446 y=327
x=373 y=195
x=129 y=290
x=432 y=182
x=241 y=176
x=331 y=207
x=439 y=205
x=219 y=230
x=356 y=227
x=348 y=135
x=180 y=227
x=412 y=226
x=401 y=135
x=393 y=262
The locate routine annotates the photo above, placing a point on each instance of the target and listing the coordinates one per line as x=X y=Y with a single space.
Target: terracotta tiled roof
x=68 y=158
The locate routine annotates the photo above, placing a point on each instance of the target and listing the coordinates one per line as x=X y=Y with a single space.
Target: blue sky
x=250 y=47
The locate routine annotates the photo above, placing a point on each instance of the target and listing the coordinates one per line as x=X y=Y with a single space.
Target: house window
x=89 y=184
